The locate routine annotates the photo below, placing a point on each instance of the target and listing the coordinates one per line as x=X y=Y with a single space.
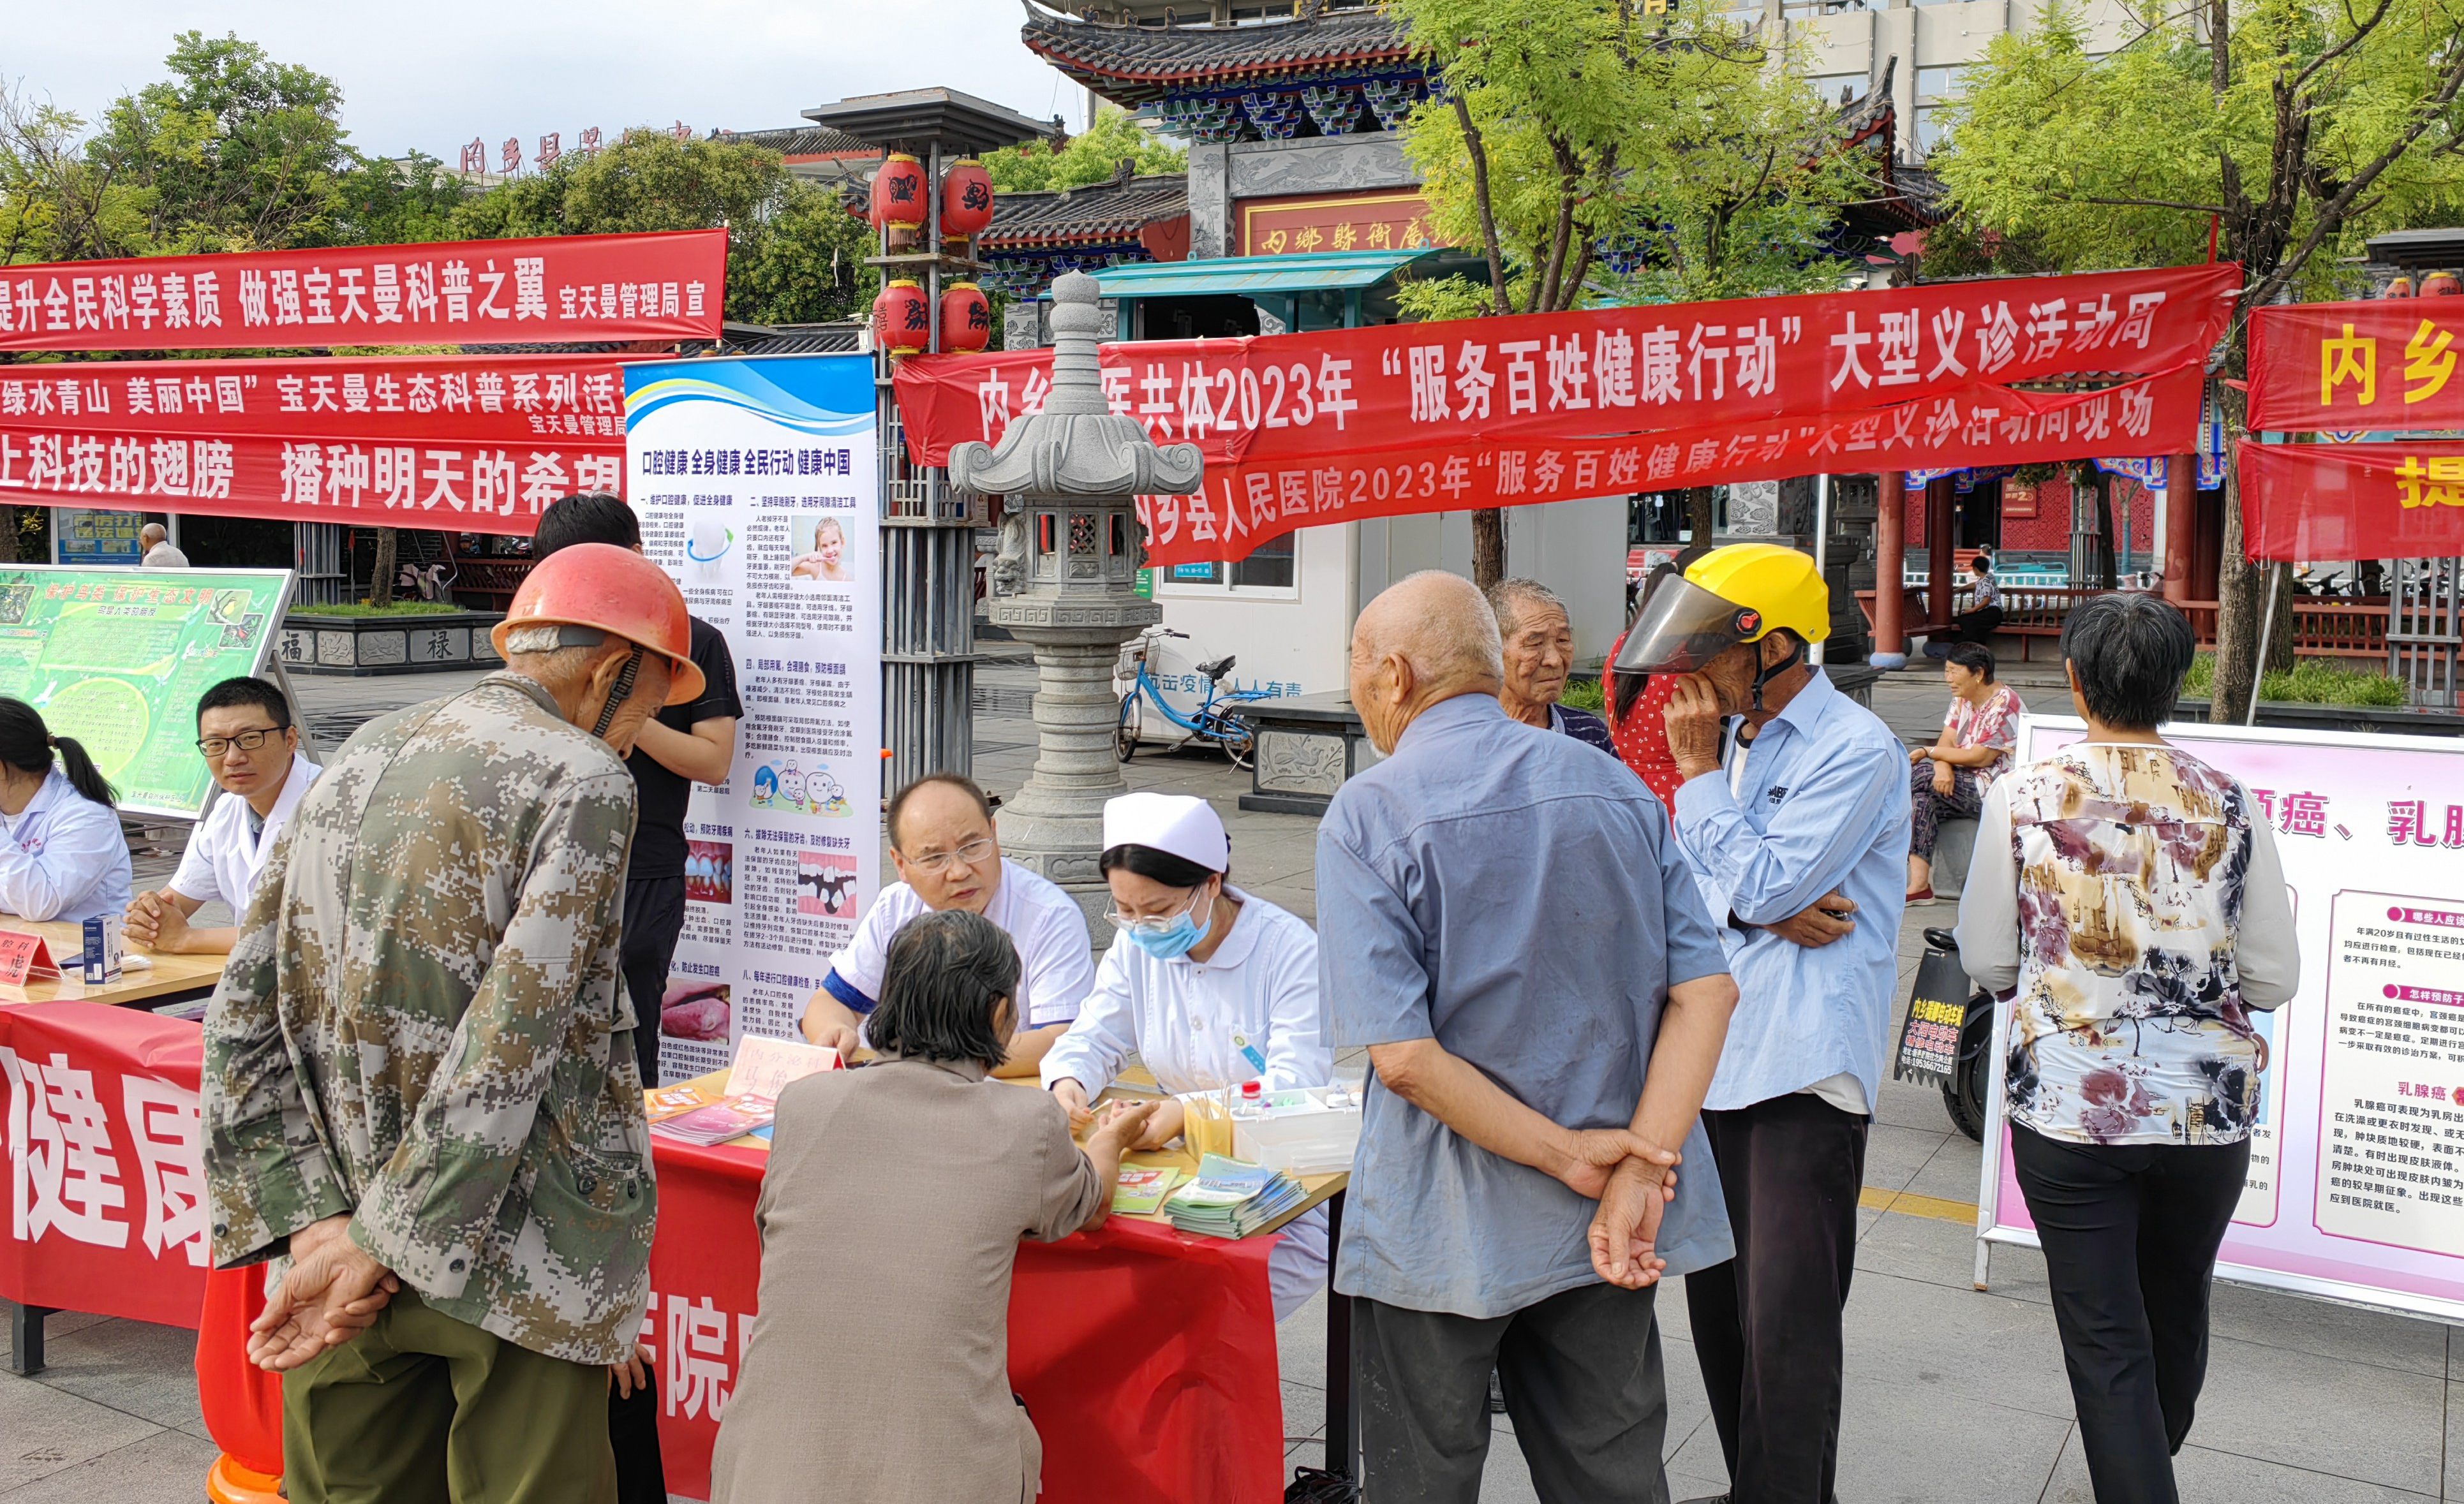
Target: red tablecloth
x=1147 y=1359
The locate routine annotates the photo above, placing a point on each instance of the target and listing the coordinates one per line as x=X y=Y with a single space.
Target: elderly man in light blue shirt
x=1794 y=819
x=1510 y=931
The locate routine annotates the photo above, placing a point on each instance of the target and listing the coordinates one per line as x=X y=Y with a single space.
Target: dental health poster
x=2356 y=1183
x=757 y=486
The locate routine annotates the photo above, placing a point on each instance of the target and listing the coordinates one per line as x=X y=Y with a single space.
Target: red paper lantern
x=2442 y=284
x=2398 y=287
x=898 y=191
x=966 y=199
x=966 y=319
x=902 y=321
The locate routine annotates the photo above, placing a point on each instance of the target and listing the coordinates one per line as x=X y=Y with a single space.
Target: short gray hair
x=2131 y=651
x=1508 y=598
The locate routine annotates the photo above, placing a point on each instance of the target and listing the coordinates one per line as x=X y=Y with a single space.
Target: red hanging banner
x=2355 y=367
x=558 y=289
x=479 y=444
x=1598 y=373
x=1246 y=503
x=2303 y=501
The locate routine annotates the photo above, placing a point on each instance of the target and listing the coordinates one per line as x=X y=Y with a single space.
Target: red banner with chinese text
x=106 y=1196
x=1718 y=373
x=2303 y=501
x=467 y=443
x=2355 y=367
x=558 y=289
x=1246 y=503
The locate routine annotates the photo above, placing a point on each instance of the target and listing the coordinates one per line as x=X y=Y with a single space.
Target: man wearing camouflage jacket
x=420 y=1087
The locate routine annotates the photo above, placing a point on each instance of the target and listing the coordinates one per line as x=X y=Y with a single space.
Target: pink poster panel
x=2356 y=1187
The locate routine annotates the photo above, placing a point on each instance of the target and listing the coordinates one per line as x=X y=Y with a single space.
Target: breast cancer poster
x=757 y=486
x=2355 y=1185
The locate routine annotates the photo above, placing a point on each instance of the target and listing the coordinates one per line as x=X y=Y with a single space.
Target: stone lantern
x=1066 y=583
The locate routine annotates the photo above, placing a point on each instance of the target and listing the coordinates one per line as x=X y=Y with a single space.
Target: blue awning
x=1255 y=276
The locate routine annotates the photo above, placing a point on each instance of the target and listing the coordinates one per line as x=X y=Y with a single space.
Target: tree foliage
x=1565 y=130
x=2296 y=128
x=1571 y=126
x=795 y=255
x=1091 y=156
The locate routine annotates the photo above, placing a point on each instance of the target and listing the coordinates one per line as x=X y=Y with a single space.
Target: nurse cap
x=1178 y=823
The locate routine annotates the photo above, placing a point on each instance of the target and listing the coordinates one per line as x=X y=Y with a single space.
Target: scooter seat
x=1940 y=939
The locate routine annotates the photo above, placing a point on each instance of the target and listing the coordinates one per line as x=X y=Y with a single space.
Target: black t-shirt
x=659 y=829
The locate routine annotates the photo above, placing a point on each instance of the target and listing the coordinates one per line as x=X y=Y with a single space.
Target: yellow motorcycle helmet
x=1731 y=594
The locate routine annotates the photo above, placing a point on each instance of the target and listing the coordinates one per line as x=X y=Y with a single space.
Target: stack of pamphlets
x=728 y=1118
x=1143 y=1187
x=1230 y=1199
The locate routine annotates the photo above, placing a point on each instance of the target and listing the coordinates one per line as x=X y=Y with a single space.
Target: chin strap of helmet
x=622 y=690
x=1770 y=671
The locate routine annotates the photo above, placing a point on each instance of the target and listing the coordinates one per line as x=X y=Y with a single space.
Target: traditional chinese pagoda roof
x=1905 y=196
x=1134 y=64
x=1113 y=212
x=806 y=140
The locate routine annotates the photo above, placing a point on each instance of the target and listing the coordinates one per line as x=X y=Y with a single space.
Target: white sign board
x=755 y=481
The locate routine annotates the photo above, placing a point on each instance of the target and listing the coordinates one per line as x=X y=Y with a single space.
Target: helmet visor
x=1683 y=626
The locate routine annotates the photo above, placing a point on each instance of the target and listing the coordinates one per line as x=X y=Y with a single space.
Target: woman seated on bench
x=1950 y=776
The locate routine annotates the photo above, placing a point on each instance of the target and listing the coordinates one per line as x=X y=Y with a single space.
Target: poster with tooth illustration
x=755 y=480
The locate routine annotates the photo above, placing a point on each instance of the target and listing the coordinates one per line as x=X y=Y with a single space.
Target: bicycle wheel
x=1238 y=740
x=1125 y=731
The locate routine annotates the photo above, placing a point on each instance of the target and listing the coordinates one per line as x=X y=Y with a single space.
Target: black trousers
x=1767 y=1323
x=655 y=915
x=633 y=1430
x=1583 y=1385
x=2130 y=1233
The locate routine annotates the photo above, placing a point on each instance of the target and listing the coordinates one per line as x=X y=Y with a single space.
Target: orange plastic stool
x=228 y=1482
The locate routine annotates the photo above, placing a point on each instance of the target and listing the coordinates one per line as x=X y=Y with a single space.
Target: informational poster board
x=118 y=657
x=2356 y=1186
x=756 y=484
x=83 y=537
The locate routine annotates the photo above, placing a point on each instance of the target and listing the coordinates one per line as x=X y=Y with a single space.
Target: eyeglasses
x=214 y=747
x=973 y=854
x=1150 y=924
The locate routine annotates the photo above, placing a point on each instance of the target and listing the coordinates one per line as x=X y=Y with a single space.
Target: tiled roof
x=830 y=339
x=1135 y=64
x=804 y=141
x=1101 y=213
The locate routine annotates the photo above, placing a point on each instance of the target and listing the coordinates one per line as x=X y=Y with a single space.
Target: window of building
x=1940 y=83
x=1271 y=574
x=1831 y=86
x=1933 y=128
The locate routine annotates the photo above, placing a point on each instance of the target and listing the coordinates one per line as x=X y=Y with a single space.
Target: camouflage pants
x=422 y=1409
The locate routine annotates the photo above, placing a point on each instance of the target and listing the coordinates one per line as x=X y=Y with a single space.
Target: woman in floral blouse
x=1950 y=776
x=2129 y=896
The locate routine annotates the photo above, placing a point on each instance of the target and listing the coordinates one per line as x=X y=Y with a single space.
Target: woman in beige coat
x=890 y=1216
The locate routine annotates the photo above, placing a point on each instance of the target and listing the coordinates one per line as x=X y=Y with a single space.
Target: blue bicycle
x=1212 y=724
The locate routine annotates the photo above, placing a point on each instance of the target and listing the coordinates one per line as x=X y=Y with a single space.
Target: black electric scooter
x=1948 y=1037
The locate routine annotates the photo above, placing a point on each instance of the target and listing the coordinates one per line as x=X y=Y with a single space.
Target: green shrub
x=362 y=608
x=2313 y=681
x=1583 y=694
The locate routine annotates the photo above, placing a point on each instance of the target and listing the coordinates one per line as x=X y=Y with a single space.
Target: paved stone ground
x=1953 y=1395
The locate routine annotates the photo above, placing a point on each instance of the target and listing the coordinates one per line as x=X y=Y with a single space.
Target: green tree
x=1091 y=156
x=2296 y=128
x=233 y=152
x=794 y=254
x=403 y=201
x=1565 y=126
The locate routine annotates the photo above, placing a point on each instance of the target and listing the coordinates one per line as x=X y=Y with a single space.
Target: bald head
x=1428 y=637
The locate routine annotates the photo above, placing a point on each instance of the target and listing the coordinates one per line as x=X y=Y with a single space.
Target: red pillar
x=1890 y=563
x=2181 y=526
x=1941 y=576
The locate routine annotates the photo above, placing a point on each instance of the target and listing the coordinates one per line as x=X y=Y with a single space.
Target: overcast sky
x=432 y=75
